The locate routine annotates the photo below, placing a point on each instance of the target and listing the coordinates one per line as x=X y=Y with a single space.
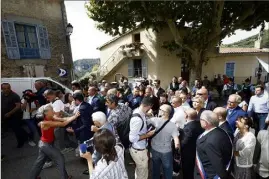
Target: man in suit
x=94 y=100
x=223 y=123
x=134 y=100
x=82 y=126
x=214 y=149
x=156 y=104
x=209 y=104
x=233 y=110
x=157 y=88
x=191 y=131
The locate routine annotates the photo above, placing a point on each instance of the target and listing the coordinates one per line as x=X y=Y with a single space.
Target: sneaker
x=175 y=174
x=47 y=165
x=66 y=150
x=31 y=143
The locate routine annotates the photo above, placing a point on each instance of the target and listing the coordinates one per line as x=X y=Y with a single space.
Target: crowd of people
x=177 y=130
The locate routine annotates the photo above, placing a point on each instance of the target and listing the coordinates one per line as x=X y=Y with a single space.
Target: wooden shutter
x=10 y=37
x=130 y=68
x=43 y=42
x=144 y=68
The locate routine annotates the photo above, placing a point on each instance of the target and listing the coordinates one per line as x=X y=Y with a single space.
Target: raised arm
x=47 y=124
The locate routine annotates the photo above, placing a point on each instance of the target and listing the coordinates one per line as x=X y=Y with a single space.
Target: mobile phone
x=83 y=148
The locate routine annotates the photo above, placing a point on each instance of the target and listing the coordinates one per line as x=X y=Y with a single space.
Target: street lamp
x=69 y=29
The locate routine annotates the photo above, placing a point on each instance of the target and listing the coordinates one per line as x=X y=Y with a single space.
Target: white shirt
x=246 y=146
x=186 y=105
x=135 y=133
x=58 y=106
x=263 y=165
x=259 y=104
x=115 y=169
x=179 y=117
x=206 y=101
x=206 y=132
x=26 y=113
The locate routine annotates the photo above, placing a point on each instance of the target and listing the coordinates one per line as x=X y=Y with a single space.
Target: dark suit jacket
x=134 y=102
x=97 y=104
x=214 y=150
x=227 y=128
x=199 y=114
x=211 y=105
x=84 y=122
x=174 y=88
x=237 y=112
x=159 y=92
x=190 y=133
x=156 y=105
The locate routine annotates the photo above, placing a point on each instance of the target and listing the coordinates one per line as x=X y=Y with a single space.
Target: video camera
x=29 y=96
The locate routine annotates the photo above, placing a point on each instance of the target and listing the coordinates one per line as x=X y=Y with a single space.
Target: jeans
x=164 y=159
x=32 y=128
x=259 y=121
x=47 y=150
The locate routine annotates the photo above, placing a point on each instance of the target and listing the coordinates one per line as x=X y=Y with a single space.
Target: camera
x=29 y=96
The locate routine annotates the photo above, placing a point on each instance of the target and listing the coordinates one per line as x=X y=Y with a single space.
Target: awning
x=264 y=64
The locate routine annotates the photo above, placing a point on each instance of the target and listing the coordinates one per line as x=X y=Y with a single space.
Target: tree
x=197 y=26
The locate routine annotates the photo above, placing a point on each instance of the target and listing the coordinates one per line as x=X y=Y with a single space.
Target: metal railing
x=112 y=61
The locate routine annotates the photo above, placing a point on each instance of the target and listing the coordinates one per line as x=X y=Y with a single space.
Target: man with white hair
x=213 y=149
x=100 y=122
x=233 y=110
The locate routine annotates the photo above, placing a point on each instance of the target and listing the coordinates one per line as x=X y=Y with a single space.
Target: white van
x=18 y=85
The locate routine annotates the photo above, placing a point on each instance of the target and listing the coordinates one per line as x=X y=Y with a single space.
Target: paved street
x=18 y=162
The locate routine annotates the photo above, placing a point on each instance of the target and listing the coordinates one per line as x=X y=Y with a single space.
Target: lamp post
x=69 y=31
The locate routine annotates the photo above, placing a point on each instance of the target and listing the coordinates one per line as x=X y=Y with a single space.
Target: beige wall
x=48 y=14
x=244 y=65
x=109 y=50
x=169 y=64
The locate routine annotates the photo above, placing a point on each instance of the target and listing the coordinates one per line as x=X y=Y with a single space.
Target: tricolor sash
x=200 y=165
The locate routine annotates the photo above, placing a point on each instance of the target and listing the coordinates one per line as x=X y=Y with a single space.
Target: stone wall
x=49 y=14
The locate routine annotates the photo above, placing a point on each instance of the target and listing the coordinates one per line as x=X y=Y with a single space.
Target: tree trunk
x=197 y=58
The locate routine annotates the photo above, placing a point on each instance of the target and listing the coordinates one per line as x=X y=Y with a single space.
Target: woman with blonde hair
x=198 y=104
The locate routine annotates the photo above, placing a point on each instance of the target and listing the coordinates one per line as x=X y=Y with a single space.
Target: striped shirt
x=115 y=169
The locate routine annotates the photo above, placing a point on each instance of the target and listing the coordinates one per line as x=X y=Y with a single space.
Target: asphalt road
x=18 y=162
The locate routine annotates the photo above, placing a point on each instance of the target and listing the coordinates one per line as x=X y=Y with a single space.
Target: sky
x=86 y=37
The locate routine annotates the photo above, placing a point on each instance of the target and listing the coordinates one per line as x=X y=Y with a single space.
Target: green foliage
x=197 y=26
x=83 y=66
x=249 y=42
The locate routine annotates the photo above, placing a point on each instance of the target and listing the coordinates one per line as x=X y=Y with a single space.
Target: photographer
x=46 y=147
x=112 y=162
x=29 y=106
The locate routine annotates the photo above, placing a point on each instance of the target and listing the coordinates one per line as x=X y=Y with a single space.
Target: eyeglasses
x=163 y=110
x=230 y=102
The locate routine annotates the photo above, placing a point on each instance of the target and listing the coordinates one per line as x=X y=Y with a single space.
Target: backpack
x=123 y=130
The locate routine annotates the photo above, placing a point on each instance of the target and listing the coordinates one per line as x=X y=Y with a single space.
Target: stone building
x=34 y=42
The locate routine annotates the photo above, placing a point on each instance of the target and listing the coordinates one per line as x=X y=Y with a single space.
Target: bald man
x=191 y=131
x=209 y=104
x=223 y=123
x=214 y=149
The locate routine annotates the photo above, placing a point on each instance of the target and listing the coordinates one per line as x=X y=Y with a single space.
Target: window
x=137 y=37
x=229 y=69
x=27 y=41
x=137 y=68
x=24 y=41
